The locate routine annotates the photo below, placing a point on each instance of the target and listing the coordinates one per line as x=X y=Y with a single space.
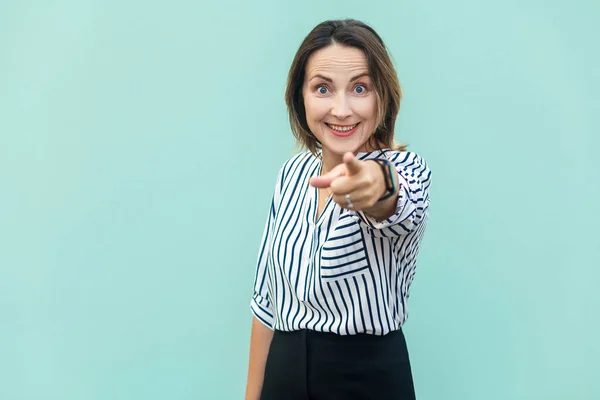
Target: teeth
x=342 y=128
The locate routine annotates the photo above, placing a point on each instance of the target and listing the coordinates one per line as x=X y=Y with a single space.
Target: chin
x=342 y=148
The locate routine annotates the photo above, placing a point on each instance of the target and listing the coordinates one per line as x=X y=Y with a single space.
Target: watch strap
x=391 y=184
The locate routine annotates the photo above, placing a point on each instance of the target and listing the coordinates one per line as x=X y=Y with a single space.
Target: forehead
x=337 y=59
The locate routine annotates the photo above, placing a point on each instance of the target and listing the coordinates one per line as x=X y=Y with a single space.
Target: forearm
x=260 y=341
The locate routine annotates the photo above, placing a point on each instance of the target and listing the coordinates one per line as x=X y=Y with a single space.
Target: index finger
x=353 y=164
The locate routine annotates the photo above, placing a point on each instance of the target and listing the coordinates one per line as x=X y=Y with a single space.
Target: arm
x=412 y=199
x=262 y=310
x=363 y=182
x=260 y=340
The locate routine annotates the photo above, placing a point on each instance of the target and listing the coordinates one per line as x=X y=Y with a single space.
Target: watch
x=391 y=184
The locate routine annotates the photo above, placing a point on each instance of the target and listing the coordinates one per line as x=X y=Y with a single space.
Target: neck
x=330 y=160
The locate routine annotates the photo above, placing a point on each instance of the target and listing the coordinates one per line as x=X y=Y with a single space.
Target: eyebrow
x=331 y=81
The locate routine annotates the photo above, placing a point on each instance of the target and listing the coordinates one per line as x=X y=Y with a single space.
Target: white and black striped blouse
x=346 y=272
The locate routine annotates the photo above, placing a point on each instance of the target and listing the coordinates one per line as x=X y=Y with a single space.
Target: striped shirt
x=344 y=272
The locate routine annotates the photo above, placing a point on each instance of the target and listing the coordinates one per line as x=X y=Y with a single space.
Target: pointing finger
x=353 y=164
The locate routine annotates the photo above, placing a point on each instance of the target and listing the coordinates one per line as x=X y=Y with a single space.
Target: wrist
x=381 y=208
x=389 y=179
x=378 y=179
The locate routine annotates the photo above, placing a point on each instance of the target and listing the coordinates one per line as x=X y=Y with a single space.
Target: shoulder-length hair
x=352 y=33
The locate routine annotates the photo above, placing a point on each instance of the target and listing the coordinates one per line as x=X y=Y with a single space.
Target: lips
x=342 y=130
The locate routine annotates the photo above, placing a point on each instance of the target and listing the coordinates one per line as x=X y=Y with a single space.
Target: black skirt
x=305 y=365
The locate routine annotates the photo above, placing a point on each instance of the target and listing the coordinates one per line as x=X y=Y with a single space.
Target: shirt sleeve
x=412 y=207
x=261 y=303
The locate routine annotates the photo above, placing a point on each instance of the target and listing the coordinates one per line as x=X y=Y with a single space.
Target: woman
x=341 y=241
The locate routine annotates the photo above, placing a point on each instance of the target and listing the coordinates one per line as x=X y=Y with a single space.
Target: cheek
x=315 y=109
x=367 y=108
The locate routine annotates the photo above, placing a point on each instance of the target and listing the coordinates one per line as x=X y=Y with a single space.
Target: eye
x=322 y=89
x=360 y=89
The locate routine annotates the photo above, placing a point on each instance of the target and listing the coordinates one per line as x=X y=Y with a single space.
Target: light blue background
x=139 y=145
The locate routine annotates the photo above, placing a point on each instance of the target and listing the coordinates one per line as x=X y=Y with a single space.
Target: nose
x=341 y=108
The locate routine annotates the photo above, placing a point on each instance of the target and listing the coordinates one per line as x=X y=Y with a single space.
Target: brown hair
x=352 y=33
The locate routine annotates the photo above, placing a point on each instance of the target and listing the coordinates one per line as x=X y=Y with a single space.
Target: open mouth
x=342 y=130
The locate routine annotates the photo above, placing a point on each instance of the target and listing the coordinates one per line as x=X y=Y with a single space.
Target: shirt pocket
x=343 y=253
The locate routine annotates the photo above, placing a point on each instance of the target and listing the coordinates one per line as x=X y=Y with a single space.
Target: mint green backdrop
x=140 y=142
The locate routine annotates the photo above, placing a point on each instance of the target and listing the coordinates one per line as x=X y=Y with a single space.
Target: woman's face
x=339 y=99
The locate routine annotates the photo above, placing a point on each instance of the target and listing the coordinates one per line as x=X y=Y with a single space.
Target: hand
x=362 y=180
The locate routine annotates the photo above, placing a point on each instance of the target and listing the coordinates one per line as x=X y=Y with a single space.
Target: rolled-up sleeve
x=412 y=206
x=260 y=304
x=261 y=308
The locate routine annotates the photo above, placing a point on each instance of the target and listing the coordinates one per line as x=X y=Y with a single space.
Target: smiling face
x=340 y=100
